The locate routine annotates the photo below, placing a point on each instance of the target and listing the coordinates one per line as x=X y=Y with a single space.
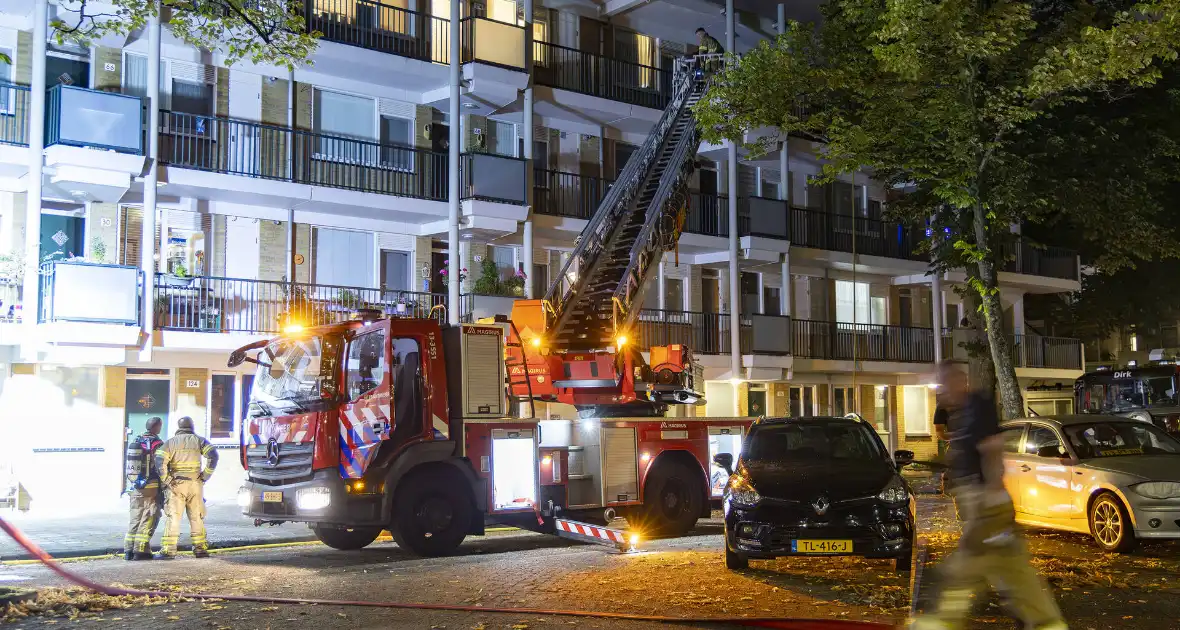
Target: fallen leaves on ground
x=73 y=603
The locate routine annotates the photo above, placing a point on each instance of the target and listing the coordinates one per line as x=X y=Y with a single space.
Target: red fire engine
x=428 y=430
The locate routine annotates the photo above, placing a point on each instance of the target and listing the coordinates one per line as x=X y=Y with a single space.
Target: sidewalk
x=98 y=534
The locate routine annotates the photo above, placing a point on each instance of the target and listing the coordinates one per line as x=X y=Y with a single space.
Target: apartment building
x=305 y=194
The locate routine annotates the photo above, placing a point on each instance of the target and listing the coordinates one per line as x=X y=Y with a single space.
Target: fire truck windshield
x=293 y=375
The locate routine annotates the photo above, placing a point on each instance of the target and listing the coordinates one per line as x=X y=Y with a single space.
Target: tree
x=937 y=98
x=261 y=31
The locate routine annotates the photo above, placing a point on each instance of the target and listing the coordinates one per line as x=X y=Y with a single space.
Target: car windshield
x=1112 y=439
x=291 y=374
x=812 y=440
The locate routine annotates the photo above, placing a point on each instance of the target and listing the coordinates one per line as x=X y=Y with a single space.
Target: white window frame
x=413 y=156
x=375 y=127
x=239 y=396
x=917 y=424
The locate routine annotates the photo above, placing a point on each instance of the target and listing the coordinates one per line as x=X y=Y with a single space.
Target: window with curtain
x=852 y=302
x=914 y=408
x=135 y=76
x=343 y=258
x=345 y=119
x=192 y=97
x=501 y=138
x=674 y=294
x=396 y=141
x=505 y=259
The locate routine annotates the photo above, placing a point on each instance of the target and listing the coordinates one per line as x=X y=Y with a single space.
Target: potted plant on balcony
x=494 y=296
x=515 y=285
x=177 y=275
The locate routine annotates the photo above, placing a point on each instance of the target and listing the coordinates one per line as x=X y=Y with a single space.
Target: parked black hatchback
x=817 y=486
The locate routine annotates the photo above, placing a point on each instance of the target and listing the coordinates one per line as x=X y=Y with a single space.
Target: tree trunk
x=981 y=370
x=1011 y=400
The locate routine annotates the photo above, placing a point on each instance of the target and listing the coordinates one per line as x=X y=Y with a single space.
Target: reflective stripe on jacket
x=181 y=456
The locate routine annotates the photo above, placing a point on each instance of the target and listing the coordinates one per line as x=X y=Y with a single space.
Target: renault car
x=818 y=486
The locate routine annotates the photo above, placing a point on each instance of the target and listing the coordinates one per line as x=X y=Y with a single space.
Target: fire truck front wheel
x=673 y=499
x=346 y=539
x=432 y=516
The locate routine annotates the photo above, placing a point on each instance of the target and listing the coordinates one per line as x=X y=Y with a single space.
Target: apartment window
x=342 y=119
x=505 y=259
x=651 y=294
x=1134 y=343
x=771 y=301
x=843 y=400
x=135 y=76
x=343 y=258
x=397 y=137
x=540 y=280
x=673 y=294
x=767 y=189
x=750 y=293
x=501 y=138
x=914 y=399
x=192 y=97
x=854 y=304
x=221 y=406
x=801 y=401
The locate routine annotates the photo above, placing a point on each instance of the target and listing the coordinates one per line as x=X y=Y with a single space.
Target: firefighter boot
x=164 y=555
x=129 y=555
x=200 y=552
x=143 y=555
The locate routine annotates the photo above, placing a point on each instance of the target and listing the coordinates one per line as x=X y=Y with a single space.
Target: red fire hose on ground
x=762 y=622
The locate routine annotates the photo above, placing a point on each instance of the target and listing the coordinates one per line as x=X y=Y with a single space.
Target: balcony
x=1052 y=262
x=79 y=117
x=14 y=114
x=235 y=305
x=495 y=178
x=91 y=305
x=1037 y=351
x=249 y=149
x=494 y=43
x=595 y=75
x=567 y=194
x=374 y=25
x=708 y=333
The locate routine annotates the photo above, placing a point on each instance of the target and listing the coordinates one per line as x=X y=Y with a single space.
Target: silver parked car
x=1114 y=478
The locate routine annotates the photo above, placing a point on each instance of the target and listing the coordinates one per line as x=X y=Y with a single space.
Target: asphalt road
x=681 y=577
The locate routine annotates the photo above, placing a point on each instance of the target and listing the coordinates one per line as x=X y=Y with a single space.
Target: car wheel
x=1110 y=524
x=735 y=561
x=904 y=563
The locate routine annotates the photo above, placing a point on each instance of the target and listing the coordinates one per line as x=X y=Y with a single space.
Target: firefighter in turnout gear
x=179 y=461
x=991 y=551
x=143 y=484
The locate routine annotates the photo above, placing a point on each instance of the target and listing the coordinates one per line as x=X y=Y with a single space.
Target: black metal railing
x=14 y=114
x=490 y=177
x=842 y=233
x=378 y=26
x=1053 y=262
x=496 y=43
x=212 y=304
x=1037 y=351
x=704 y=333
x=80 y=117
x=237 y=147
x=567 y=194
x=708 y=214
x=861 y=342
x=587 y=73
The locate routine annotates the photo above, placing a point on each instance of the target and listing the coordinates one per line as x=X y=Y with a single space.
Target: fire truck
x=429 y=431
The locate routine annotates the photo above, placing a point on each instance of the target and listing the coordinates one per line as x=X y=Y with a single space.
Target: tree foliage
x=947 y=100
x=261 y=31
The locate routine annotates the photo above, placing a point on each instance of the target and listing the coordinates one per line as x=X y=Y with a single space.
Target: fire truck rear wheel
x=346 y=539
x=672 y=499
x=432 y=516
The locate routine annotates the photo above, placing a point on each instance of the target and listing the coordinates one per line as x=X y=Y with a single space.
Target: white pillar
x=735 y=308
x=936 y=314
x=31 y=288
x=291 y=246
x=148 y=238
x=527 y=254
x=785 y=291
x=1018 y=314
x=453 y=305
x=662 y=284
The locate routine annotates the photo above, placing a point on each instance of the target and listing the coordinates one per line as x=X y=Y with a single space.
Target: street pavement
x=102 y=533
x=678 y=577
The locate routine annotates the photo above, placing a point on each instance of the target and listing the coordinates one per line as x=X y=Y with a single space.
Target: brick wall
x=222 y=89
x=923 y=446
x=114 y=387
x=103 y=227
x=589 y=156
x=272 y=250
x=303 y=248
x=192 y=385
x=24 y=58
x=274 y=101
x=304 y=94
x=108 y=80
x=422 y=253
x=471 y=141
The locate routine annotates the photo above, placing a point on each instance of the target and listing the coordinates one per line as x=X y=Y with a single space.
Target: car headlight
x=244 y=497
x=1158 y=489
x=316 y=498
x=895 y=492
x=741 y=491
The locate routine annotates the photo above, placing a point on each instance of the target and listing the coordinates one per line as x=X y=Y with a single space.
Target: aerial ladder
x=582 y=334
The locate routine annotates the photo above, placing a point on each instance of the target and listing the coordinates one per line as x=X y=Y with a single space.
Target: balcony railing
x=237 y=147
x=80 y=117
x=708 y=214
x=873 y=237
x=567 y=194
x=375 y=25
x=587 y=73
x=14 y=114
x=493 y=42
x=490 y=177
x=1036 y=351
x=76 y=291
x=1053 y=262
x=211 y=304
x=709 y=333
